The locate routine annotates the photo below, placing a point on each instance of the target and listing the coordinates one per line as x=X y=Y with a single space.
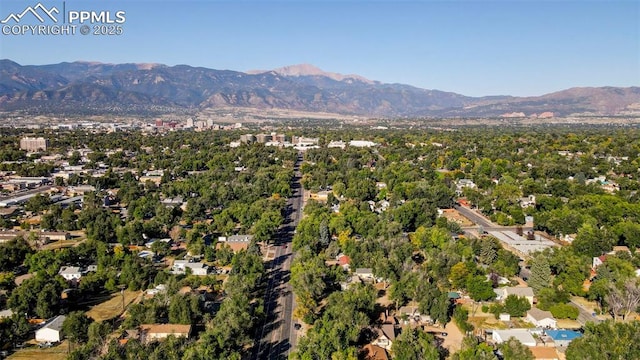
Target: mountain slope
x=140 y=88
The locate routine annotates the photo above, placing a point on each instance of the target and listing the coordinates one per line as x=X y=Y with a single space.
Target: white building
x=525 y=292
x=337 y=144
x=541 y=318
x=464 y=183
x=364 y=273
x=522 y=335
x=70 y=273
x=362 y=143
x=51 y=331
x=197 y=268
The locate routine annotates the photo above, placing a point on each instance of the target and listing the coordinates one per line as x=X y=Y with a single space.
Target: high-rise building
x=247 y=138
x=263 y=138
x=33 y=144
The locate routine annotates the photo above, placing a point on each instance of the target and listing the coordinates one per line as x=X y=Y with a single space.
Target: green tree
x=540 y=273
x=488 y=252
x=564 y=311
x=37 y=203
x=516 y=306
x=513 y=349
x=479 y=288
x=76 y=327
x=458 y=275
x=413 y=344
x=607 y=341
x=472 y=349
x=593 y=241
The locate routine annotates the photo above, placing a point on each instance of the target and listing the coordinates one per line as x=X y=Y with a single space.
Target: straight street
x=585 y=315
x=276 y=337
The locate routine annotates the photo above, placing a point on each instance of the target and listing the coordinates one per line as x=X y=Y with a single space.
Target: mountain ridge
x=100 y=87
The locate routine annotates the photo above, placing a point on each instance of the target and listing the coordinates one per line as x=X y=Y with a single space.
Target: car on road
x=443 y=334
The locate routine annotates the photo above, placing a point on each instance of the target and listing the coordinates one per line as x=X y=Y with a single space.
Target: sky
x=475 y=48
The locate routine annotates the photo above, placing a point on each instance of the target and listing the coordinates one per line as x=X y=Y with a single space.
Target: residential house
x=197 y=268
x=541 y=318
x=150 y=332
x=384 y=318
x=386 y=336
x=351 y=280
x=597 y=261
x=321 y=196
x=235 y=242
x=413 y=315
x=7 y=313
x=373 y=352
x=562 y=338
x=71 y=273
x=620 y=249
x=522 y=335
x=364 y=273
x=503 y=292
x=343 y=261
x=54 y=235
x=51 y=331
x=464 y=183
x=528 y=201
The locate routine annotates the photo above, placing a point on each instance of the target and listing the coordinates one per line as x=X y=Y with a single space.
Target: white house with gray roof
x=51 y=331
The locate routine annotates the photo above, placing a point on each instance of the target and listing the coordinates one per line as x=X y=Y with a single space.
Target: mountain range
x=95 y=88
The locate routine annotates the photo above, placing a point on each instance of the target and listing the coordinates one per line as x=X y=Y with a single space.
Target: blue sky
x=470 y=47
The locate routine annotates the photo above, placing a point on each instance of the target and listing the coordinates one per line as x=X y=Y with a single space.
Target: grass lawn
x=112 y=306
x=33 y=352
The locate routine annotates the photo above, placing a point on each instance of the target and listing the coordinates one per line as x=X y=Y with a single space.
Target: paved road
x=277 y=337
x=475 y=217
x=585 y=315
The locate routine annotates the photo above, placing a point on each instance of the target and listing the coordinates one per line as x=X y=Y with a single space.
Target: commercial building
x=33 y=144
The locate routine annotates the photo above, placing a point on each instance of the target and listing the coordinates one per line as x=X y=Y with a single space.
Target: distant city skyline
x=475 y=48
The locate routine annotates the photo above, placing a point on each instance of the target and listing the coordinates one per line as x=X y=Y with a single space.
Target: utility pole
x=122 y=287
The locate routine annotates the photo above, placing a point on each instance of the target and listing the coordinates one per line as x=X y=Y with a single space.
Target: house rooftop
x=563 y=334
x=239 y=238
x=538 y=314
x=522 y=335
x=374 y=352
x=69 y=270
x=389 y=331
x=55 y=323
x=364 y=271
x=519 y=291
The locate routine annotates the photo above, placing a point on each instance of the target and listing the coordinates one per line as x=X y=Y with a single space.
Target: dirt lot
x=455 y=216
x=452 y=341
x=112 y=307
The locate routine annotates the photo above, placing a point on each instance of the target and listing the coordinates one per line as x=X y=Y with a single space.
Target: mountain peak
x=311 y=70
